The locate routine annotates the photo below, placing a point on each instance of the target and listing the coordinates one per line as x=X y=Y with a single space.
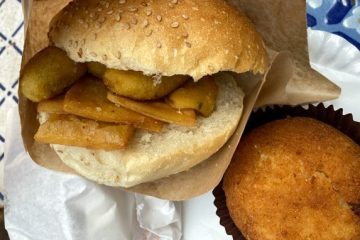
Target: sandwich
x=133 y=91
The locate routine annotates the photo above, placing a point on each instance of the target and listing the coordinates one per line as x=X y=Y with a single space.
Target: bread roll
x=189 y=37
x=163 y=38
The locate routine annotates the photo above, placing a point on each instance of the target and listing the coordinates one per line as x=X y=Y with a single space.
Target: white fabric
x=43 y=204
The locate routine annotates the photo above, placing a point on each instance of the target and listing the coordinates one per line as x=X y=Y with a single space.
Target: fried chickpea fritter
x=87 y=98
x=48 y=73
x=136 y=85
x=53 y=105
x=96 y=69
x=200 y=96
x=157 y=110
x=76 y=131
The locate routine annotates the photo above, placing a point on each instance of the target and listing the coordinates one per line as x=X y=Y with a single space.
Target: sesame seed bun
x=188 y=37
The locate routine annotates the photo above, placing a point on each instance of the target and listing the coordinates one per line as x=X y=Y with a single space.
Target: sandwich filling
x=101 y=108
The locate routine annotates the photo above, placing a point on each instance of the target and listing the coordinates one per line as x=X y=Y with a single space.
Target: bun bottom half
x=151 y=156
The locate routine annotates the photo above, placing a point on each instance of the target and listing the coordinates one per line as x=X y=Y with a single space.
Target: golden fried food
x=96 y=69
x=157 y=110
x=87 y=98
x=200 y=96
x=48 y=73
x=52 y=105
x=293 y=179
x=136 y=85
x=75 y=131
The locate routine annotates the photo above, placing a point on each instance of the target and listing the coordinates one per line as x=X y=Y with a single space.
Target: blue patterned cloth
x=11 y=45
x=340 y=17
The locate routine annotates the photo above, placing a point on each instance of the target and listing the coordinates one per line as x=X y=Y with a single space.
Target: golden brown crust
x=190 y=37
x=291 y=179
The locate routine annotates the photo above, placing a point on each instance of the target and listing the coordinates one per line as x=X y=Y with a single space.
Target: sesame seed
x=195 y=8
x=202 y=19
x=148 y=12
x=93 y=54
x=118 y=54
x=95 y=16
x=110 y=12
x=122 y=1
x=126 y=26
x=70 y=43
x=148 y=32
x=188 y=44
x=118 y=17
x=185 y=35
x=94 y=36
x=83 y=41
x=134 y=21
x=102 y=20
x=171 y=5
x=175 y=24
x=107 y=5
x=174 y=1
x=186 y=17
x=158 y=45
x=145 y=23
x=81 y=20
x=76 y=43
x=133 y=9
x=158 y=17
x=104 y=57
x=99 y=9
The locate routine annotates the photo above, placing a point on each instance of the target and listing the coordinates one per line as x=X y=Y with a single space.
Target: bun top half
x=167 y=37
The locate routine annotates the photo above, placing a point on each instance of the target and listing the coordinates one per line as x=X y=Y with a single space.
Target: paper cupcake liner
x=328 y=115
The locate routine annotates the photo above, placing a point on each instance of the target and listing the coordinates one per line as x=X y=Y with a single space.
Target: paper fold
x=283 y=26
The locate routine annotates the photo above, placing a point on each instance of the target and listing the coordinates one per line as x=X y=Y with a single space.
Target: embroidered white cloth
x=11 y=45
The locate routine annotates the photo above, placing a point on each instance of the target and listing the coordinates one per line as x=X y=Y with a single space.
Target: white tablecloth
x=11 y=45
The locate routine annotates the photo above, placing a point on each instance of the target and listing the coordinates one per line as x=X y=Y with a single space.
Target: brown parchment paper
x=282 y=23
x=283 y=83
